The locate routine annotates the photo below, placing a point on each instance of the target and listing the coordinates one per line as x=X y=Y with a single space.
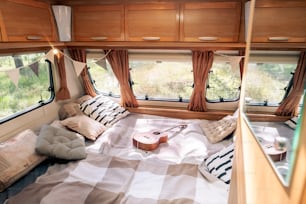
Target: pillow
x=219 y=165
x=84 y=125
x=60 y=143
x=83 y=99
x=103 y=110
x=18 y=157
x=292 y=122
x=218 y=130
x=68 y=110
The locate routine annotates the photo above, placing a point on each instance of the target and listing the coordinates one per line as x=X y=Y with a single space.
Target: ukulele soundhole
x=156 y=133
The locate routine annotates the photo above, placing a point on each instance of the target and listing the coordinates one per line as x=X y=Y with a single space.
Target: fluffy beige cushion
x=60 y=143
x=18 y=157
x=68 y=110
x=84 y=125
x=218 y=130
x=83 y=99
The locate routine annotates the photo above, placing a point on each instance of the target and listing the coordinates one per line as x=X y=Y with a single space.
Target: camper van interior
x=152 y=101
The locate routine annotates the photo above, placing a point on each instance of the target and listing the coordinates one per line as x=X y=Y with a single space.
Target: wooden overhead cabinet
x=279 y=21
x=27 y=21
x=98 y=23
x=152 y=22
x=210 y=21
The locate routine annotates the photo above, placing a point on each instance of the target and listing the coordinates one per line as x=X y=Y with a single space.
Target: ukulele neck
x=182 y=126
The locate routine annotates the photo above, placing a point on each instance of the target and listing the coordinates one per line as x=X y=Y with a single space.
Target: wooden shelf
x=158 y=45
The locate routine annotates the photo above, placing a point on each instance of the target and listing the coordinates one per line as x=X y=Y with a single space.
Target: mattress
x=116 y=171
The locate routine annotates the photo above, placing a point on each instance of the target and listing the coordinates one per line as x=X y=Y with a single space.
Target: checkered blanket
x=105 y=179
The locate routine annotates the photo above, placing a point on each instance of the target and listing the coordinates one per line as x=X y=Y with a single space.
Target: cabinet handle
x=208 y=38
x=99 y=38
x=34 y=37
x=278 y=38
x=151 y=38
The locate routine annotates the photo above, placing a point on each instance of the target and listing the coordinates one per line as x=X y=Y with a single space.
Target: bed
x=116 y=171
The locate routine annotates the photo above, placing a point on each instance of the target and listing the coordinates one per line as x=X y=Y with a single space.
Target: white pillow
x=84 y=125
x=219 y=165
x=292 y=122
x=218 y=130
x=103 y=110
x=18 y=157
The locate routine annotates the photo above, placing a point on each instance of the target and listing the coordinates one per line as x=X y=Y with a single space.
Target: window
x=269 y=77
x=161 y=74
x=224 y=80
x=34 y=85
x=166 y=75
x=102 y=74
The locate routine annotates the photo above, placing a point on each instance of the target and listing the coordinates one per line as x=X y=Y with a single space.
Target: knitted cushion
x=218 y=130
x=60 y=143
x=18 y=157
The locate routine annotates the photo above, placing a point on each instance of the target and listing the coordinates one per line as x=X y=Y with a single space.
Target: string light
x=55 y=51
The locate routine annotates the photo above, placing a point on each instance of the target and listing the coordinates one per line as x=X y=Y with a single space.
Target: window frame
x=161 y=54
x=92 y=80
x=39 y=103
x=224 y=56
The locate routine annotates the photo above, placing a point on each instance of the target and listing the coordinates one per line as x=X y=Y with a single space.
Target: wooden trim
x=181 y=113
x=28 y=46
x=278 y=46
x=237 y=188
x=31 y=3
x=158 y=45
x=267 y=117
x=280 y=4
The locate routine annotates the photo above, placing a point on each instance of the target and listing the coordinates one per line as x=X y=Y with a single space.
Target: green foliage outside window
x=267 y=82
x=223 y=83
x=31 y=90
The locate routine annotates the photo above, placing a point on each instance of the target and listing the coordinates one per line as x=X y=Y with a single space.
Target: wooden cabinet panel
x=26 y=21
x=151 y=22
x=98 y=23
x=210 y=21
x=279 y=22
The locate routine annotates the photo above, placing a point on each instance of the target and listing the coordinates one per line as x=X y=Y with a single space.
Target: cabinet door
x=27 y=20
x=98 y=23
x=152 y=22
x=210 y=21
x=279 y=22
x=3 y=36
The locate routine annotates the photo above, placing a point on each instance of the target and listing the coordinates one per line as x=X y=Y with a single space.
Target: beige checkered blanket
x=105 y=179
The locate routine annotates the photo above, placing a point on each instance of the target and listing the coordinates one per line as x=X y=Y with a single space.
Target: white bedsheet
x=187 y=146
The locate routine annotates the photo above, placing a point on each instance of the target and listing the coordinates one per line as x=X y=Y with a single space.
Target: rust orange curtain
x=80 y=55
x=63 y=93
x=289 y=106
x=119 y=62
x=202 y=62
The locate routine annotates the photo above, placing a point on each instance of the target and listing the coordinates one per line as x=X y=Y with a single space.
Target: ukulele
x=150 y=141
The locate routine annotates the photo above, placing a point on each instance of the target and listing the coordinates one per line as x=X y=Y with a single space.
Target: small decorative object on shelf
x=280 y=143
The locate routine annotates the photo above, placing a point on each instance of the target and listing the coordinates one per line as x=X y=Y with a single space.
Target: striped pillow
x=103 y=110
x=220 y=163
x=292 y=123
